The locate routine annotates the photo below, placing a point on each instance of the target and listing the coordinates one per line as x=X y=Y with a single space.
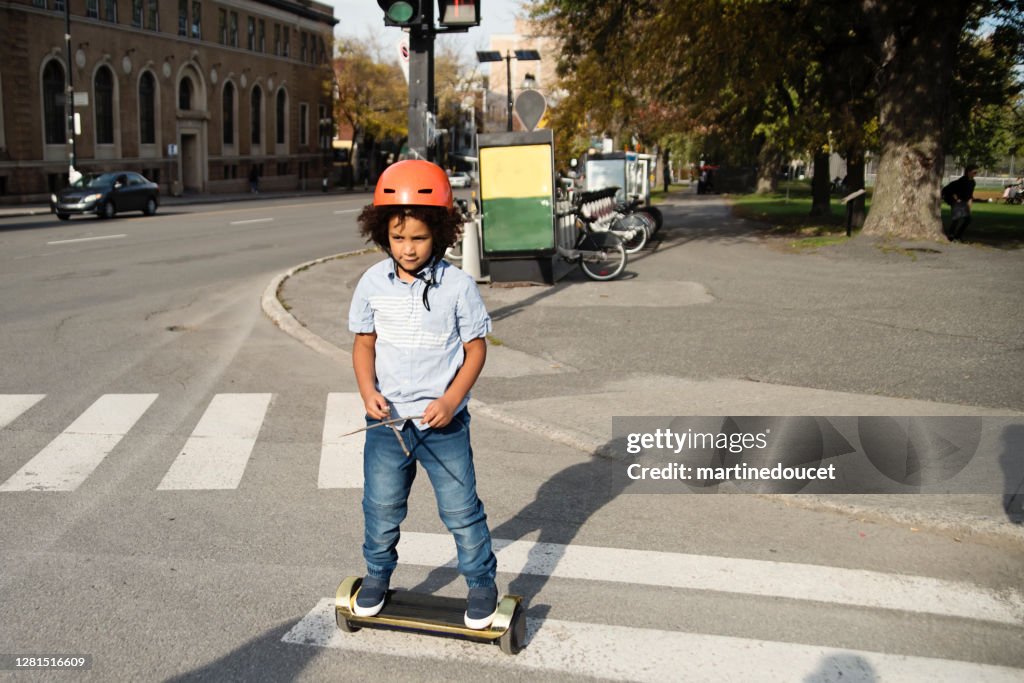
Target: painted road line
x=215 y=455
x=346 y=211
x=341 y=458
x=13 y=405
x=640 y=654
x=70 y=458
x=835 y=585
x=254 y=220
x=87 y=239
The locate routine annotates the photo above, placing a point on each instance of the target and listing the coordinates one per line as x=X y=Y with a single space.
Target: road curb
x=287 y=323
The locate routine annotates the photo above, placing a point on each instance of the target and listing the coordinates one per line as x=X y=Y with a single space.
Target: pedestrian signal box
x=459 y=13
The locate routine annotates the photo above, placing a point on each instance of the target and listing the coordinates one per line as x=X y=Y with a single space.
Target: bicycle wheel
x=655 y=213
x=602 y=256
x=633 y=232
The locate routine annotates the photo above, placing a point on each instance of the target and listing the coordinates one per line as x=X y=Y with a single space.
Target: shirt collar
x=392 y=272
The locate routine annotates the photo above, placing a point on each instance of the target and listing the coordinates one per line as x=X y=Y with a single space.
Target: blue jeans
x=447 y=456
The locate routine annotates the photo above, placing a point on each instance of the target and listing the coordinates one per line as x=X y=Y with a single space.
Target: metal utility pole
x=508 y=81
x=69 y=97
x=421 y=81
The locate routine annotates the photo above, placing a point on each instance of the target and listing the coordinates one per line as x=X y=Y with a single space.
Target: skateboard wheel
x=347 y=626
x=511 y=641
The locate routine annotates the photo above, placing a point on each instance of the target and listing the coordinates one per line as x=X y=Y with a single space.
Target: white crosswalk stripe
x=641 y=654
x=216 y=454
x=341 y=458
x=13 y=405
x=70 y=458
x=804 y=582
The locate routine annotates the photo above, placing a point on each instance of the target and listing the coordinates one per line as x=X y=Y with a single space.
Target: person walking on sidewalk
x=254 y=180
x=959 y=194
x=419 y=326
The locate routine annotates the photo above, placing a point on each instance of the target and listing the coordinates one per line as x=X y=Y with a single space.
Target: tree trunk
x=769 y=167
x=854 y=182
x=918 y=53
x=821 y=186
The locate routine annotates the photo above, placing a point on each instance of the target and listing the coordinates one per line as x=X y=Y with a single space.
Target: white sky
x=362 y=18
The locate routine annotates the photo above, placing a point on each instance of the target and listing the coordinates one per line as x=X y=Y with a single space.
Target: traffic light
x=459 y=13
x=403 y=13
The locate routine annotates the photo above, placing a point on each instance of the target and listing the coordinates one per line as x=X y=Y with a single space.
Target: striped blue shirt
x=418 y=352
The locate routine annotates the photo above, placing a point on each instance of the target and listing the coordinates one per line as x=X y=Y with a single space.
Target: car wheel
x=108 y=210
x=63 y=216
x=150 y=207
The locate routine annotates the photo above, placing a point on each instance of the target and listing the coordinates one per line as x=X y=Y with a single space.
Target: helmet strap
x=427 y=272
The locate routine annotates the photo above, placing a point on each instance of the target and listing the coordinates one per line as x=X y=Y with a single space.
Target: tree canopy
x=372 y=95
x=764 y=79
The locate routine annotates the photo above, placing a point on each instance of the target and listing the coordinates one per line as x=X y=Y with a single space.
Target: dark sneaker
x=370 y=597
x=481 y=607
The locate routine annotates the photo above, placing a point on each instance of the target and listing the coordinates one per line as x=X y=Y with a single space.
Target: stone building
x=192 y=93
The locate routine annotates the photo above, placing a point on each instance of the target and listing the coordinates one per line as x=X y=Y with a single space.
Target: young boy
x=420 y=326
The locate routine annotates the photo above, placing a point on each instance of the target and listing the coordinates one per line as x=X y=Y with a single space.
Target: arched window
x=282 y=108
x=185 y=94
x=53 y=103
x=229 y=114
x=147 y=109
x=255 y=111
x=103 y=84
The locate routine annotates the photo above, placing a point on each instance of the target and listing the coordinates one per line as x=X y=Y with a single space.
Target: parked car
x=460 y=179
x=106 y=195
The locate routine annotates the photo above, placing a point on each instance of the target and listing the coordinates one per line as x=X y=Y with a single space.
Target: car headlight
x=53 y=199
x=92 y=197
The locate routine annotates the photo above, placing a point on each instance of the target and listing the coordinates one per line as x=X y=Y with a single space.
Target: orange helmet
x=413 y=182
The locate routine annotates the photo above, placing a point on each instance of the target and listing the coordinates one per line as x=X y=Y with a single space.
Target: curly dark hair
x=445 y=224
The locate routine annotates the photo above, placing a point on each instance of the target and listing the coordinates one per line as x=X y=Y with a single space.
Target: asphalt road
x=159 y=461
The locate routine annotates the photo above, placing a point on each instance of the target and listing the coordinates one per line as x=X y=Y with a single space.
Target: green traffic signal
x=400 y=12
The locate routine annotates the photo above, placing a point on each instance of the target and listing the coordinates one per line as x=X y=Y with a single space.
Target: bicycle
x=600 y=254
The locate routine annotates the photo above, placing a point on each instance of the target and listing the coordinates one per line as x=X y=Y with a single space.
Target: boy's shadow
x=562 y=506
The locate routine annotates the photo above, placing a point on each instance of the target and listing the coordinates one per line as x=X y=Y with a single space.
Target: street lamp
x=495 y=56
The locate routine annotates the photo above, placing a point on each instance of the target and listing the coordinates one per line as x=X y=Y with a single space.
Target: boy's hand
x=377 y=406
x=438 y=414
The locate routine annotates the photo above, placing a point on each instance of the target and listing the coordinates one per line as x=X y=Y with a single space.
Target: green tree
x=372 y=94
x=770 y=78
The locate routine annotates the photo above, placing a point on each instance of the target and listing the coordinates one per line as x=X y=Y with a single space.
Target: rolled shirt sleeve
x=360 y=313
x=471 y=313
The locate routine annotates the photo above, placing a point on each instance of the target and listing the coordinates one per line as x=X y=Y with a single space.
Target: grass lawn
x=994 y=224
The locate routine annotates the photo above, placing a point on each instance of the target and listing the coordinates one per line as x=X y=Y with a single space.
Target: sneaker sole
x=371 y=611
x=479 y=624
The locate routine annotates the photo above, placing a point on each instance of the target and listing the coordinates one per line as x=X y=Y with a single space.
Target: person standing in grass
x=959 y=194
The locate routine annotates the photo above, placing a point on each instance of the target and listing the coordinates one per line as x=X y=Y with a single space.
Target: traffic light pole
x=421 y=82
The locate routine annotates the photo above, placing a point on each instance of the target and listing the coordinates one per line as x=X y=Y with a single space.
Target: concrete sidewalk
x=716 y=320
